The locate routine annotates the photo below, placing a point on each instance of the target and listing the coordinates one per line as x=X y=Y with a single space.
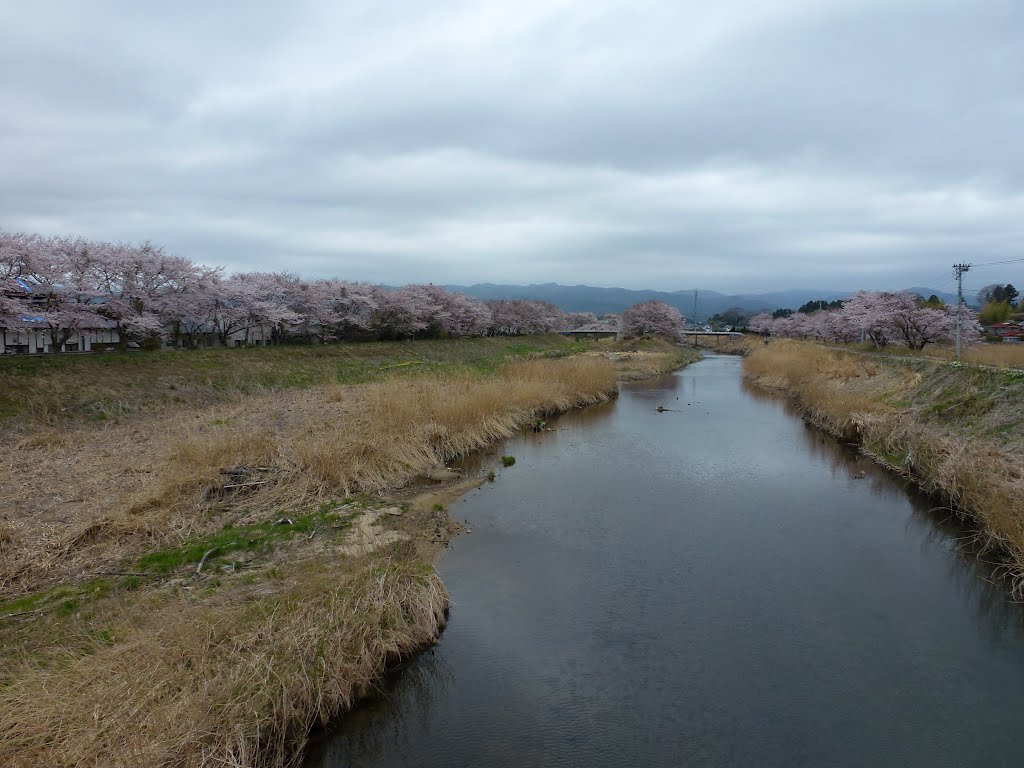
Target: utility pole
x=958 y=270
x=694 y=318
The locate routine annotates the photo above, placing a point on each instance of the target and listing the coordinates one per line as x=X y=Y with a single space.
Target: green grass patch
x=230 y=539
x=113 y=386
x=64 y=599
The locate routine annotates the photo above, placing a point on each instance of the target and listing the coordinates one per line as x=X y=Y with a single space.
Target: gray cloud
x=738 y=145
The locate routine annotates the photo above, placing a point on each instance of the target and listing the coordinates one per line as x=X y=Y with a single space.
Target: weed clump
x=508 y=461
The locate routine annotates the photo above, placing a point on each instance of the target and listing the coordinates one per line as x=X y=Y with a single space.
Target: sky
x=739 y=145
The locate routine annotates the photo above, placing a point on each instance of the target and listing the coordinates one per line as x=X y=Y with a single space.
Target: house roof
x=15 y=287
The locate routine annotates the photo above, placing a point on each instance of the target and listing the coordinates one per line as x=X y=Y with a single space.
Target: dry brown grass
x=736 y=345
x=234 y=666
x=837 y=388
x=644 y=358
x=225 y=682
x=957 y=432
x=61 y=390
x=999 y=355
x=401 y=429
x=136 y=486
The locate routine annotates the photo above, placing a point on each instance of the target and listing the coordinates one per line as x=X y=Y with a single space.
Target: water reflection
x=979 y=575
x=558 y=433
x=405 y=697
x=934 y=524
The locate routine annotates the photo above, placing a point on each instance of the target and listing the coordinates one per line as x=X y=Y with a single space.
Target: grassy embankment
x=999 y=355
x=957 y=430
x=203 y=555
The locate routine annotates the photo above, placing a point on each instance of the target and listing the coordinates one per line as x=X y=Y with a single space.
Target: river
x=716 y=585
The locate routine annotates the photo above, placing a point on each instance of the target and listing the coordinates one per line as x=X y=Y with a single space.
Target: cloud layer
x=739 y=145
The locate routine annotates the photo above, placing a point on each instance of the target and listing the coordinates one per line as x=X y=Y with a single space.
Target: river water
x=716 y=585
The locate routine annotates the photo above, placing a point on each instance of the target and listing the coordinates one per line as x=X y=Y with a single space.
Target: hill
x=585 y=298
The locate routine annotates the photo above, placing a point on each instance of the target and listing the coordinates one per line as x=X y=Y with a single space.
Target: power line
x=997 y=263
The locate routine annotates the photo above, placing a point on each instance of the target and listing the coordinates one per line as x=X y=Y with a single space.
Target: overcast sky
x=740 y=145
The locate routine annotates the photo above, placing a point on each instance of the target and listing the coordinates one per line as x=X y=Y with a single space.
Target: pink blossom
x=651 y=318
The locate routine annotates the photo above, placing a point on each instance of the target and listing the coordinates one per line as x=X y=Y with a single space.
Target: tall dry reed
x=149 y=484
x=234 y=684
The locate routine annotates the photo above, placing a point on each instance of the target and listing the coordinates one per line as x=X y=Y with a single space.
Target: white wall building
x=32 y=338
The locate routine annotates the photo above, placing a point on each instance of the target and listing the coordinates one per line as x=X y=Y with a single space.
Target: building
x=28 y=333
x=1012 y=332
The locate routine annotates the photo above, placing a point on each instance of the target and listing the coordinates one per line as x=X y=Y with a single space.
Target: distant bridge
x=718 y=335
x=711 y=333
x=601 y=333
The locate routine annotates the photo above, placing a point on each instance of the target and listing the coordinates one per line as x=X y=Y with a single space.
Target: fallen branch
x=202 y=562
x=245 y=485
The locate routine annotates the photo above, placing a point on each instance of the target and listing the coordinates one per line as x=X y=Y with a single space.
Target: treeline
x=902 y=318
x=999 y=303
x=68 y=285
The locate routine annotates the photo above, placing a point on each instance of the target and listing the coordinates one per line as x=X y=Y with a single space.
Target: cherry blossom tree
x=63 y=294
x=903 y=318
x=651 y=318
x=575 y=320
x=519 y=317
x=15 y=250
x=762 y=323
x=443 y=313
x=12 y=302
x=328 y=309
x=865 y=312
x=836 y=326
x=465 y=315
x=400 y=313
x=195 y=312
x=140 y=285
x=249 y=300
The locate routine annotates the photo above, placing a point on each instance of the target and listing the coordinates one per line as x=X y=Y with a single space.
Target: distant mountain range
x=600 y=301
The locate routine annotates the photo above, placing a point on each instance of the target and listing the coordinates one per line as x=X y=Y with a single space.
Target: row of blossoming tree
x=901 y=318
x=69 y=285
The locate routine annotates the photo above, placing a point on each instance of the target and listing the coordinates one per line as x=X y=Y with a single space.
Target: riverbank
x=956 y=430
x=197 y=582
x=718 y=584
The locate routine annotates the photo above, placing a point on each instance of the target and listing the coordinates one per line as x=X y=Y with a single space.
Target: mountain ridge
x=586 y=298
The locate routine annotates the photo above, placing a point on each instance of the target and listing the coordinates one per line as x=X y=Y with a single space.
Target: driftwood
x=235 y=480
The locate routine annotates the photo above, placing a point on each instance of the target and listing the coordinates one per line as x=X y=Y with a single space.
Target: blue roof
x=23 y=284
